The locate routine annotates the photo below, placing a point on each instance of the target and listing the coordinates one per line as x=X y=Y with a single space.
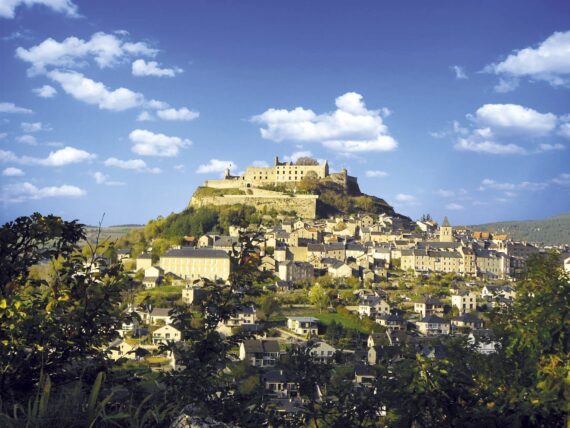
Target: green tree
x=269 y=305
x=318 y=296
x=56 y=326
x=535 y=336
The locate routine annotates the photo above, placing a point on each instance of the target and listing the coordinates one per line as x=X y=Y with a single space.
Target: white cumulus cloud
x=21 y=192
x=45 y=91
x=294 y=157
x=13 y=108
x=101 y=178
x=31 y=127
x=66 y=156
x=95 y=93
x=352 y=127
x=141 y=67
x=132 y=164
x=12 y=172
x=177 y=114
x=508 y=129
x=30 y=140
x=512 y=119
x=216 y=165
x=548 y=61
x=106 y=50
x=144 y=116
x=8 y=7
x=147 y=143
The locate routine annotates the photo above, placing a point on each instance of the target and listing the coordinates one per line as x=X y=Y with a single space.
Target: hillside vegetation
x=550 y=231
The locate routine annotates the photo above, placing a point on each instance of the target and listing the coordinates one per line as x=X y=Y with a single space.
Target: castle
x=262 y=187
x=279 y=173
x=288 y=174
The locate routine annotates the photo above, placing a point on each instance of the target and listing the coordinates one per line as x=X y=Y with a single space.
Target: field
x=347 y=320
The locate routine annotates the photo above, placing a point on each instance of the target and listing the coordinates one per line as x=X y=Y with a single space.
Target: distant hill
x=550 y=231
x=112 y=232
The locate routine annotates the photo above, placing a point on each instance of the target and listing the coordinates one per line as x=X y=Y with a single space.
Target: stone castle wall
x=282 y=173
x=304 y=205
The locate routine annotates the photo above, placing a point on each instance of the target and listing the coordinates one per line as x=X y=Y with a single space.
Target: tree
x=57 y=326
x=318 y=296
x=309 y=183
x=306 y=160
x=535 y=337
x=269 y=305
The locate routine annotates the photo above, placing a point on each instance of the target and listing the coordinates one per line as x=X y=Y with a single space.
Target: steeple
x=446 y=231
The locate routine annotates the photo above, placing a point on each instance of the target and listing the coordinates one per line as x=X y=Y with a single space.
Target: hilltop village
x=352 y=288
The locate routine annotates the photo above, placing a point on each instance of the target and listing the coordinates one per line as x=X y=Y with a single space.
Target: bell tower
x=446 y=231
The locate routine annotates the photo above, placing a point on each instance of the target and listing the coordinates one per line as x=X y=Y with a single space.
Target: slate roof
x=197 y=253
x=432 y=319
x=363 y=370
x=304 y=319
x=260 y=346
x=160 y=312
x=275 y=376
x=468 y=318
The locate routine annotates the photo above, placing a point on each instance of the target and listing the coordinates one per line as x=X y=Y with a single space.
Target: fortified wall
x=255 y=181
x=304 y=205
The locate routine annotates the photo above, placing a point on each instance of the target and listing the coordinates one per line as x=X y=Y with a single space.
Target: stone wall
x=304 y=205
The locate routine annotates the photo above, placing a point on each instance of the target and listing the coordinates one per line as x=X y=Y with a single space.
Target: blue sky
x=455 y=108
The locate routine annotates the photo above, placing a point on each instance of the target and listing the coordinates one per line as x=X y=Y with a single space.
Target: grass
x=210 y=191
x=160 y=293
x=345 y=319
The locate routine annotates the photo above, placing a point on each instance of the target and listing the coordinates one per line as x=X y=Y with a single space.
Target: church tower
x=446 y=231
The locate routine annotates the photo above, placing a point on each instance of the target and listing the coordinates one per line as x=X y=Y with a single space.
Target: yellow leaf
x=63 y=298
x=3 y=304
x=490 y=405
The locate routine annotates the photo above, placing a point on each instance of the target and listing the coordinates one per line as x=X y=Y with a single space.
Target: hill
x=304 y=189
x=111 y=232
x=550 y=231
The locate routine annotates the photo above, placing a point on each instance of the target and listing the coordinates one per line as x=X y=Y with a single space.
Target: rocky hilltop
x=305 y=189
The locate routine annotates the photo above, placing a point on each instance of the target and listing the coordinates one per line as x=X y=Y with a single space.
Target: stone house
x=260 y=353
x=166 y=334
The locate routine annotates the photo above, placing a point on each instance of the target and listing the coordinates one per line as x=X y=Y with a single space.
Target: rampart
x=304 y=205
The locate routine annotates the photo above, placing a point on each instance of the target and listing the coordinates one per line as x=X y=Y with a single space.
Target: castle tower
x=446 y=231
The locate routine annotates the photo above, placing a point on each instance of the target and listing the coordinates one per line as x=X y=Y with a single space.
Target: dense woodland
x=551 y=231
x=55 y=371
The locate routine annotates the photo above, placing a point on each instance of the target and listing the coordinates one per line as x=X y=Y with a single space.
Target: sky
x=122 y=109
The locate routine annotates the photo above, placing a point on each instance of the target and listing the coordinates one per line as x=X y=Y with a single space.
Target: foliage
x=318 y=297
x=550 y=231
x=56 y=326
x=202 y=192
x=306 y=160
